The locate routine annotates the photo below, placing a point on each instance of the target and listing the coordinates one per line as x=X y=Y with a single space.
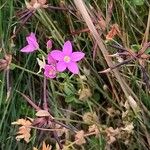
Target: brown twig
x=116 y=66
x=29 y=101
x=45 y=105
x=57 y=8
x=28 y=12
x=83 y=10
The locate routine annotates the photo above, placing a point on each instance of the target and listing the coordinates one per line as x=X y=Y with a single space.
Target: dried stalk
x=83 y=10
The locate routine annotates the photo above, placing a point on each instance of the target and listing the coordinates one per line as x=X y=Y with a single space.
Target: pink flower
x=50 y=71
x=67 y=59
x=32 y=44
x=50 y=68
x=49 y=44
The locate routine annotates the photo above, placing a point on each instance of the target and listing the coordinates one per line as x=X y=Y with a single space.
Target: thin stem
x=21 y=12
x=56 y=136
x=23 y=22
x=45 y=106
x=8 y=83
x=146 y=34
x=29 y=101
x=67 y=127
x=57 y=8
x=24 y=69
x=25 y=14
x=43 y=129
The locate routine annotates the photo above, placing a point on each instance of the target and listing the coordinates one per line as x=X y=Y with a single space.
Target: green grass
x=109 y=90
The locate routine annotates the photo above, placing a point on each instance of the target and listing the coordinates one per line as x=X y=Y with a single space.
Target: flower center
x=67 y=59
x=51 y=72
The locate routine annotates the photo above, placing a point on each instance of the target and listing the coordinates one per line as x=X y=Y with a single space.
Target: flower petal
x=31 y=39
x=76 y=56
x=51 y=60
x=73 y=67
x=61 y=66
x=57 y=55
x=28 y=49
x=67 y=48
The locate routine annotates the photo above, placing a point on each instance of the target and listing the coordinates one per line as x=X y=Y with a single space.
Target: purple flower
x=67 y=59
x=50 y=71
x=32 y=44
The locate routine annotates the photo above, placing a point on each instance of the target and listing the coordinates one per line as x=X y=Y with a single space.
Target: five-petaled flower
x=32 y=44
x=50 y=71
x=66 y=58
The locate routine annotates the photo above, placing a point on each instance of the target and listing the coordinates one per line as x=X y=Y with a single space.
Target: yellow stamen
x=67 y=59
x=51 y=72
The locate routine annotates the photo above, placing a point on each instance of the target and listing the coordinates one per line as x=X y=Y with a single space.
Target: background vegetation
x=117 y=102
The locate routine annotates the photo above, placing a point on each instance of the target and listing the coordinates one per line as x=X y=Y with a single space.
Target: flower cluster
x=57 y=60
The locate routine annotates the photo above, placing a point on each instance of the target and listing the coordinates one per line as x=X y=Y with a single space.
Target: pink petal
x=49 y=44
x=50 y=59
x=73 y=67
x=28 y=48
x=36 y=45
x=31 y=39
x=57 y=55
x=76 y=56
x=50 y=71
x=67 y=48
x=61 y=66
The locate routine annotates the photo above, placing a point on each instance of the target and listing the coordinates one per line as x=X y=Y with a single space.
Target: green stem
x=24 y=69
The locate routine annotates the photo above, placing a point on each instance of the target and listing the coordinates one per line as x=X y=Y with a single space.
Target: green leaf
x=69 y=88
x=138 y=2
x=12 y=66
x=135 y=47
x=96 y=96
x=70 y=99
x=147 y=51
x=40 y=56
x=62 y=75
